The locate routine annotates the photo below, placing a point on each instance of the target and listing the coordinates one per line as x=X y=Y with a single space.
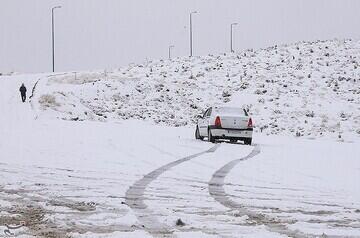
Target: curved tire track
x=217 y=191
x=135 y=196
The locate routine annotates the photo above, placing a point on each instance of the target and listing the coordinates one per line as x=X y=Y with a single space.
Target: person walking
x=23 y=92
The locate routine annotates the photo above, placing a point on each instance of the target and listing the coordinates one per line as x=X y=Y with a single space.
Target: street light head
x=194 y=12
x=234 y=24
x=56 y=7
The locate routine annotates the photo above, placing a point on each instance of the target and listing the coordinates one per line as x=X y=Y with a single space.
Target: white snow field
x=113 y=154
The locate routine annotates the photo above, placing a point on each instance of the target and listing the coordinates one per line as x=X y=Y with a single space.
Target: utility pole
x=191 y=37
x=170 y=47
x=231 y=36
x=53 y=36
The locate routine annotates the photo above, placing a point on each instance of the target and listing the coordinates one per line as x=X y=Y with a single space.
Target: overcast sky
x=99 y=34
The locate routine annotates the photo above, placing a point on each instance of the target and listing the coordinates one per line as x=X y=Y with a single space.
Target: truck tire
x=248 y=141
x=210 y=137
x=197 y=134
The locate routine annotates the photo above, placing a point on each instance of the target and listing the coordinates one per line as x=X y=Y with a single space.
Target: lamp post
x=231 y=36
x=191 y=43
x=53 y=36
x=170 y=47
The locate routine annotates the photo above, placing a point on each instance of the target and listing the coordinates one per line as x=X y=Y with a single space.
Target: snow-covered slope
x=309 y=89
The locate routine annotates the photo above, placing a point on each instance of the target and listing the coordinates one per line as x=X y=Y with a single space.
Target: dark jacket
x=23 y=89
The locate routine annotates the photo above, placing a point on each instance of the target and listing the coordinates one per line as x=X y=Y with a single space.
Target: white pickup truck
x=225 y=123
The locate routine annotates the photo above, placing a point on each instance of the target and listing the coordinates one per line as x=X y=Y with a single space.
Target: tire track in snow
x=135 y=196
x=217 y=191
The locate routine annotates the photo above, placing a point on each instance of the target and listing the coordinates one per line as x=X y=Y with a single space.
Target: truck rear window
x=232 y=111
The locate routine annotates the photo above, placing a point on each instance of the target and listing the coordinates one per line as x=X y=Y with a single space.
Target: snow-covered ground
x=113 y=154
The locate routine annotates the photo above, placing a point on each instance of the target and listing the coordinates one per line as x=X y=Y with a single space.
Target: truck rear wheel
x=197 y=134
x=210 y=137
x=248 y=141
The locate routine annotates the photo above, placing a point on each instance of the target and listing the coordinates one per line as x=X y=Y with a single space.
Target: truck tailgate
x=234 y=122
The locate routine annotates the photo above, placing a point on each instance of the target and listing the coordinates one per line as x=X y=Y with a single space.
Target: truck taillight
x=250 y=124
x=217 y=122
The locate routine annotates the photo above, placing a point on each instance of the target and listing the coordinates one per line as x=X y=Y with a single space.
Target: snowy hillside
x=309 y=88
